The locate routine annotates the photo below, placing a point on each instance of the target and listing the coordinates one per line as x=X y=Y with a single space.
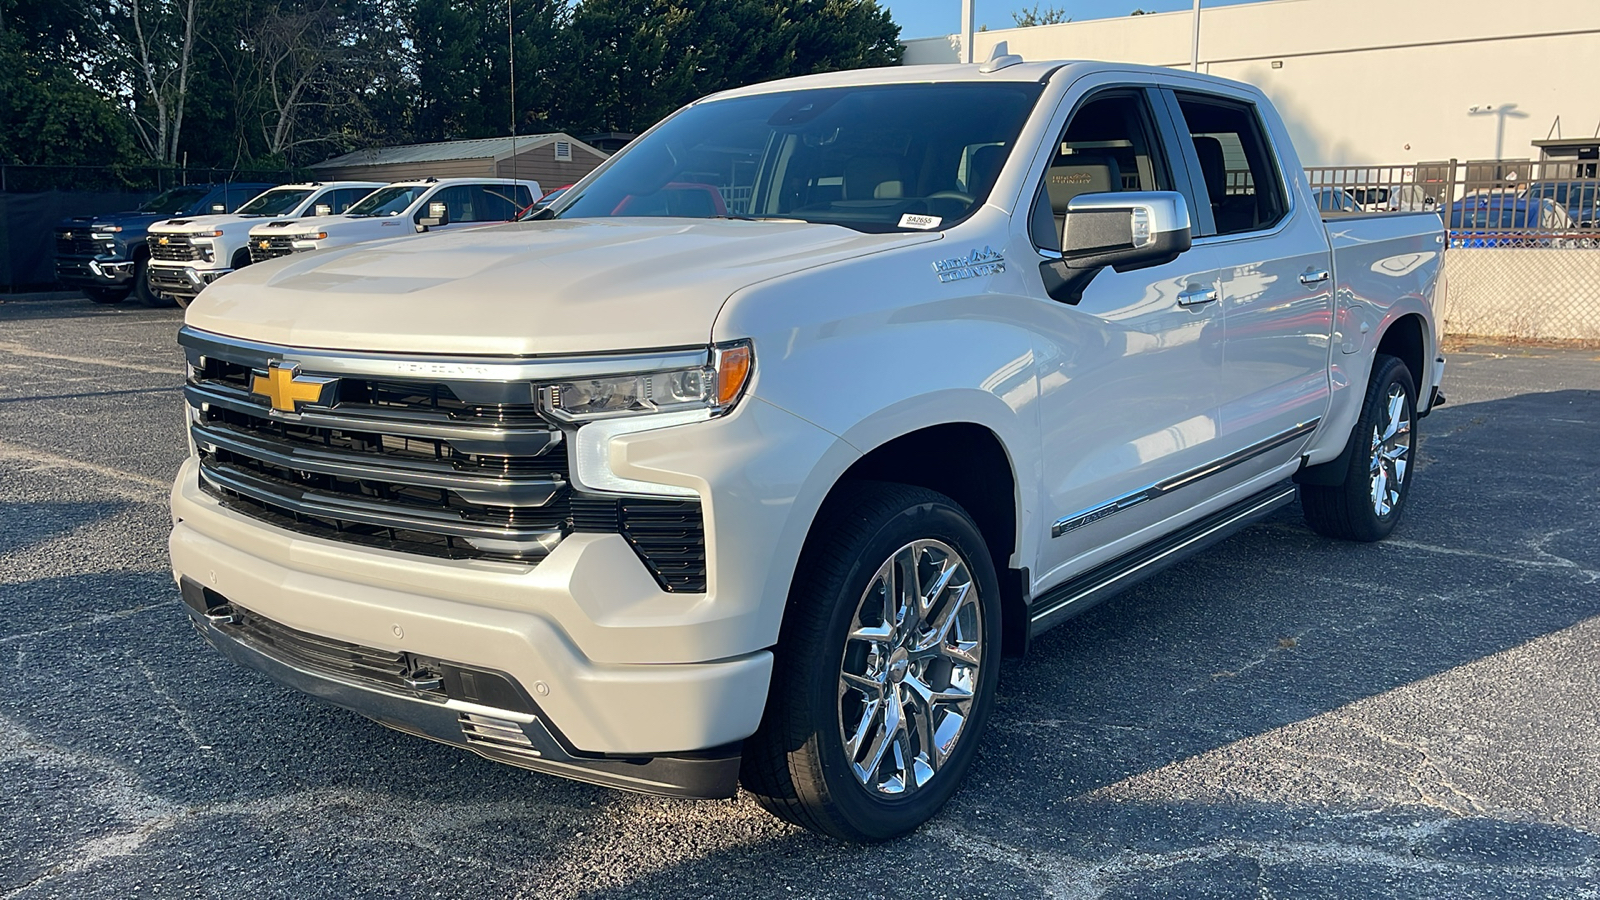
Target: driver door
x=1128 y=372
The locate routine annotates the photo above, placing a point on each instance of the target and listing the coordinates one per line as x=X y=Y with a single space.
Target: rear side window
x=1241 y=175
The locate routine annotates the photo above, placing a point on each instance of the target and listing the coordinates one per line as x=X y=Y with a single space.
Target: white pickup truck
x=188 y=254
x=686 y=497
x=404 y=207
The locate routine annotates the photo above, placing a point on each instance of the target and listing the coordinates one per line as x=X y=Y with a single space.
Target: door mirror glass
x=438 y=214
x=1124 y=229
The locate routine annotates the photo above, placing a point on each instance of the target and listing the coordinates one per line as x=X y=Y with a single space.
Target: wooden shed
x=552 y=160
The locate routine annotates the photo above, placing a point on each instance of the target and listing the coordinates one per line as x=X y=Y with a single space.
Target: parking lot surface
x=1282 y=716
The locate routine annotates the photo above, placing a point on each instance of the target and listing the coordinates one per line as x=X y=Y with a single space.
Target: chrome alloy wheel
x=1391 y=446
x=910 y=667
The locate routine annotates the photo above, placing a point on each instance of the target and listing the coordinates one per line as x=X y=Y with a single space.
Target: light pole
x=968 y=22
x=1194 y=50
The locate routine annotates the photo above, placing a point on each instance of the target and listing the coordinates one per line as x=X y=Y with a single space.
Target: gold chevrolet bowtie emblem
x=263 y=244
x=163 y=241
x=285 y=388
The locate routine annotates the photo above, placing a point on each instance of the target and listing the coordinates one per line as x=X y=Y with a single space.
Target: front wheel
x=1366 y=505
x=886 y=668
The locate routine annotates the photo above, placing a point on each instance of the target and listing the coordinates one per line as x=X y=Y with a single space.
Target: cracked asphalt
x=1281 y=717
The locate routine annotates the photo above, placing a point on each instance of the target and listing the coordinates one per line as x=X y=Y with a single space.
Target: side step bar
x=1106 y=580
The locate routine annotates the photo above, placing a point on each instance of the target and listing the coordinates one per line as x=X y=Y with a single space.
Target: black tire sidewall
x=1389 y=371
x=877 y=817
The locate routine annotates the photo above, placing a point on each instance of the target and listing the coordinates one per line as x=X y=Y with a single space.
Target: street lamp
x=1194 y=50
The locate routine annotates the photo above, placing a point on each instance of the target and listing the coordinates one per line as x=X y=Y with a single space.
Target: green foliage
x=289 y=82
x=1049 y=15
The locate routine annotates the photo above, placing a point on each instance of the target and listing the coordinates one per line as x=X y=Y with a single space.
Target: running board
x=1110 y=578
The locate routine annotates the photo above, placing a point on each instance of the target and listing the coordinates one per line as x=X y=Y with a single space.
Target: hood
x=129 y=221
x=292 y=225
x=191 y=224
x=527 y=288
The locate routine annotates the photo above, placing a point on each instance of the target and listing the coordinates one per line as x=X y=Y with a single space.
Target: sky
x=930 y=18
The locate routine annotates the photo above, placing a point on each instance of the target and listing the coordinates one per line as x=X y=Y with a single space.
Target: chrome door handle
x=1197 y=296
x=1311 y=279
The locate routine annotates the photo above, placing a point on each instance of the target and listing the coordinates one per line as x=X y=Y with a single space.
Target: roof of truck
x=1027 y=71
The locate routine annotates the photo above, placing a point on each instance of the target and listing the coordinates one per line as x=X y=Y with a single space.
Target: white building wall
x=1365 y=81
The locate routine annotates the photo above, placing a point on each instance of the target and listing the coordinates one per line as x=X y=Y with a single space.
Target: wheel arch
x=1405 y=338
x=969 y=463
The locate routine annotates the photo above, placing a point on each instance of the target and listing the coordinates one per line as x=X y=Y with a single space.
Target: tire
x=1367 y=504
x=839 y=649
x=141 y=287
x=105 y=295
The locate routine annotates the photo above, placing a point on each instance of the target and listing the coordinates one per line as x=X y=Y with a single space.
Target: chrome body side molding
x=1112 y=507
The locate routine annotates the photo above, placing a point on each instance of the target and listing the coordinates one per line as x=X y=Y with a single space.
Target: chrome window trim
x=459 y=368
x=1151 y=492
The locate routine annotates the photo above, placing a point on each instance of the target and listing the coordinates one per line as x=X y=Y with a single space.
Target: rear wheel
x=105 y=295
x=1367 y=504
x=886 y=669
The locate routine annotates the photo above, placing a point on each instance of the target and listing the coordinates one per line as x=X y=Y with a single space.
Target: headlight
x=106 y=229
x=309 y=236
x=715 y=388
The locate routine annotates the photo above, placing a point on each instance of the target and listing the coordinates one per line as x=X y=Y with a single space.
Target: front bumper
x=80 y=272
x=562 y=629
x=181 y=281
x=444 y=702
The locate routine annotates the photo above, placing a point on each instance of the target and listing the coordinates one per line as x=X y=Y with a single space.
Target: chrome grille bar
x=467 y=438
x=327 y=505
x=477 y=489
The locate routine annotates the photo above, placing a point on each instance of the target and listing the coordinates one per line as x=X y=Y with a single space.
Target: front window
x=388 y=201
x=177 y=201
x=275 y=202
x=876 y=158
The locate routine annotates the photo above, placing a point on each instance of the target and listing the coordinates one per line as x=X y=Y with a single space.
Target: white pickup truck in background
x=188 y=254
x=762 y=489
x=401 y=208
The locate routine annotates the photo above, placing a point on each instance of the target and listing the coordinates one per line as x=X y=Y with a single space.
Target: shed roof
x=480 y=148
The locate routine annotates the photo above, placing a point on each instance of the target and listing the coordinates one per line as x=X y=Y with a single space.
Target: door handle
x=1311 y=279
x=1197 y=297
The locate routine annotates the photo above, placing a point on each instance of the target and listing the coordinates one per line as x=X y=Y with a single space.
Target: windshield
x=275 y=202
x=176 y=201
x=875 y=158
x=388 y=201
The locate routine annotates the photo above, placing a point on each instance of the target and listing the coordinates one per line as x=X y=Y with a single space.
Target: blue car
x=1579 y=197
x=105 y=256
x=1504 y=219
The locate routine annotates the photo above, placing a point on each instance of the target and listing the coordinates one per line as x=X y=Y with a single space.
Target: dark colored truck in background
x=105 y=255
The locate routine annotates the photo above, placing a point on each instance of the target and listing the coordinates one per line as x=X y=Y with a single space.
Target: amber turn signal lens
x=733 y=370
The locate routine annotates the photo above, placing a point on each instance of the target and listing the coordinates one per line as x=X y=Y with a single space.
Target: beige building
x=552 y=160
x=1369 y=81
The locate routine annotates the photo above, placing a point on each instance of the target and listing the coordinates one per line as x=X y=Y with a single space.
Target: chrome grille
x=449 y=469
x=176 y=249
x=275 y=246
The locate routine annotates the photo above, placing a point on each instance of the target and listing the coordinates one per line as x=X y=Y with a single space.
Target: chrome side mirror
x=1122 y=230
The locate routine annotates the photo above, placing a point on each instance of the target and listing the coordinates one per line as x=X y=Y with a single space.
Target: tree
x=1047 y=16
x=157 y=39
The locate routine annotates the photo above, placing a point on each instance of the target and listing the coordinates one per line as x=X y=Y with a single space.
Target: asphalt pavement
x=1282 y=717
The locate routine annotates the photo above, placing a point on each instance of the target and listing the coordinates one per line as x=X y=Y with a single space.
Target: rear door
x=1275 y=280
x=1128 y=373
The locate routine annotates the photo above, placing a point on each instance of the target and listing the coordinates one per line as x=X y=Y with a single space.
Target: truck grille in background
x=276 y=246
x=406 y=465
x=176 y=249
x=76 y=242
